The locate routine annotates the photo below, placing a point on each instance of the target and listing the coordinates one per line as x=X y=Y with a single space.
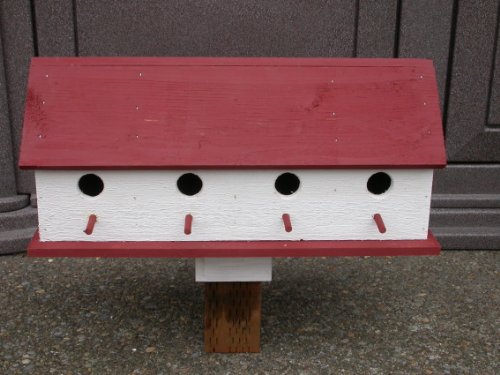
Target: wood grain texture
x=233 y=269
x=233 y=205
x=232 y=317
x=231 y=113
x=227 y=249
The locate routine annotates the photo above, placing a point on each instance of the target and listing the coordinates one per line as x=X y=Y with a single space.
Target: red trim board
x=275 y=249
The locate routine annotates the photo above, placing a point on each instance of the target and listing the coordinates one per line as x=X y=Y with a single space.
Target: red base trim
x=218 y=249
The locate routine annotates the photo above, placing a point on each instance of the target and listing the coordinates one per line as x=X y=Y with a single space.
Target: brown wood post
x=232 y=317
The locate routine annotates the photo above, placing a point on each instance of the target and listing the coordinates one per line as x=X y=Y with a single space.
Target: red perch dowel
x=380 y=223
x=287 y=222
x=90 y=224
x=188 y=221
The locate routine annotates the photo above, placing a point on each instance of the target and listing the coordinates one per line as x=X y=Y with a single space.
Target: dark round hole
x=379 y=183
x=91 y=185
x=287 y=183
x=189 y=184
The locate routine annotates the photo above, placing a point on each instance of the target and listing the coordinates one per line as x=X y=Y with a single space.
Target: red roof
x=231 y=113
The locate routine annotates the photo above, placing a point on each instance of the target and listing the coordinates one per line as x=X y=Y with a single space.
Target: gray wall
x=460 y=36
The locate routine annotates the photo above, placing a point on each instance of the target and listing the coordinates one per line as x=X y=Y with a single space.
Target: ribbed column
x=17 y=222
x=9 y=200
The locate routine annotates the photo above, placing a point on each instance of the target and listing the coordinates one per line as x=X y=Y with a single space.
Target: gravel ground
x=421 y=315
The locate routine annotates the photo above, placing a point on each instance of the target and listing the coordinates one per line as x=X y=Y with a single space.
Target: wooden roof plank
x=116 y=113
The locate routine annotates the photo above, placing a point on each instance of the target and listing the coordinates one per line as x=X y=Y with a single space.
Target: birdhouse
x=232 y=161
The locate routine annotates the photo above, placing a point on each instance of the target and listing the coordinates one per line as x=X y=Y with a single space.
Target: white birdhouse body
x=235 y=205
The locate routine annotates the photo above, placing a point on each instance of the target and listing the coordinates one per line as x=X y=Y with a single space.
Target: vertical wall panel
x=7 y=177
x=377 y=24
x=17 y=38
x=216 y=28
x=468 y=136
x=425 y=32
x=54 y=27
x=494 y=105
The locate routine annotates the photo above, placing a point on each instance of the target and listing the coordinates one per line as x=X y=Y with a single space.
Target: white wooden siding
x=233 y=269
x=233 y=205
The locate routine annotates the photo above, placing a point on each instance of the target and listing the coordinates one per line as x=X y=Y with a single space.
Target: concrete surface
x=427 y=315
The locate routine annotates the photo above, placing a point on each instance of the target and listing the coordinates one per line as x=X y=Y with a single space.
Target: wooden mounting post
x=232 y=317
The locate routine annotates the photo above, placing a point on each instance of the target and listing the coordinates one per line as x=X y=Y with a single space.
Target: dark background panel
x=494 y=105
x=469 y=139
x=216 y=28
x=425 y=31
x=18 y=48
x=7 y=174
x=381 y=16
x=55 y=28
x=474 y=179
